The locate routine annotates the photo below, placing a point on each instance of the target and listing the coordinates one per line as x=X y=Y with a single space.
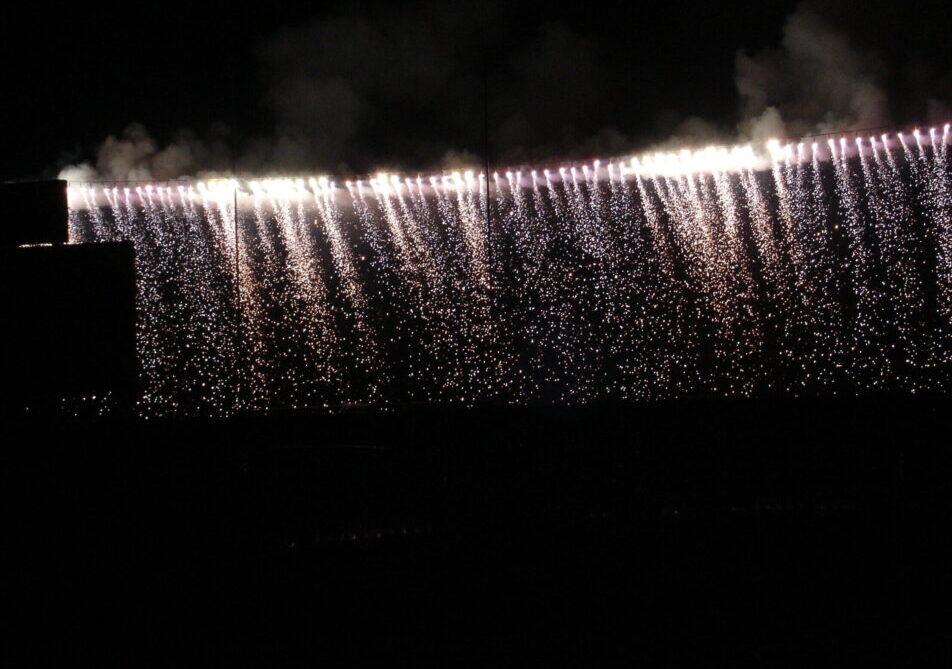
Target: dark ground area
x=783 y=533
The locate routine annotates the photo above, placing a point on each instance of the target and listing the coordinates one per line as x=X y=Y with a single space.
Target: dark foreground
x=738 y=534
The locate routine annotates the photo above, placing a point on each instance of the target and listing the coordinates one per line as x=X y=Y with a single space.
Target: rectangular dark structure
x=69 y=319
x=33 y=213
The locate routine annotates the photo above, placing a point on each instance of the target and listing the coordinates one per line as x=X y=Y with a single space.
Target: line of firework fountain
x=820 y=266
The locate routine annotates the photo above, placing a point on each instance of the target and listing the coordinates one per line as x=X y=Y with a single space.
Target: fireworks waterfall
x=826 y=268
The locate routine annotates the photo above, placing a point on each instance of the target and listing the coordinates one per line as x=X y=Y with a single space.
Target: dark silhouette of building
x=741 y=533
x=68 y=310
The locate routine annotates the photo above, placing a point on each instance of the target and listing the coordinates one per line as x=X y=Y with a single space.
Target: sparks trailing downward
x=710 y=160
x=821 y=265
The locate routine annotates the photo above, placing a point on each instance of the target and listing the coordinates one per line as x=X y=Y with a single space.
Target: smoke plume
x=364 y=90
x=816 y=81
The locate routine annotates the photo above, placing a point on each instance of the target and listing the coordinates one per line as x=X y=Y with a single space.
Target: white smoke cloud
x=456 y=160
x=136 y=155
x=79 y=172
x=357 y=92
x=360 y=90
x=692 y=132
x=816 y=81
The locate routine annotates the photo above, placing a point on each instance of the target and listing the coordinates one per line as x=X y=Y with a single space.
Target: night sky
x=698 y=414
x=350 y=87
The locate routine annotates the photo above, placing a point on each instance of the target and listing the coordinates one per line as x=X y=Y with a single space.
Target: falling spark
x=806 y=267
